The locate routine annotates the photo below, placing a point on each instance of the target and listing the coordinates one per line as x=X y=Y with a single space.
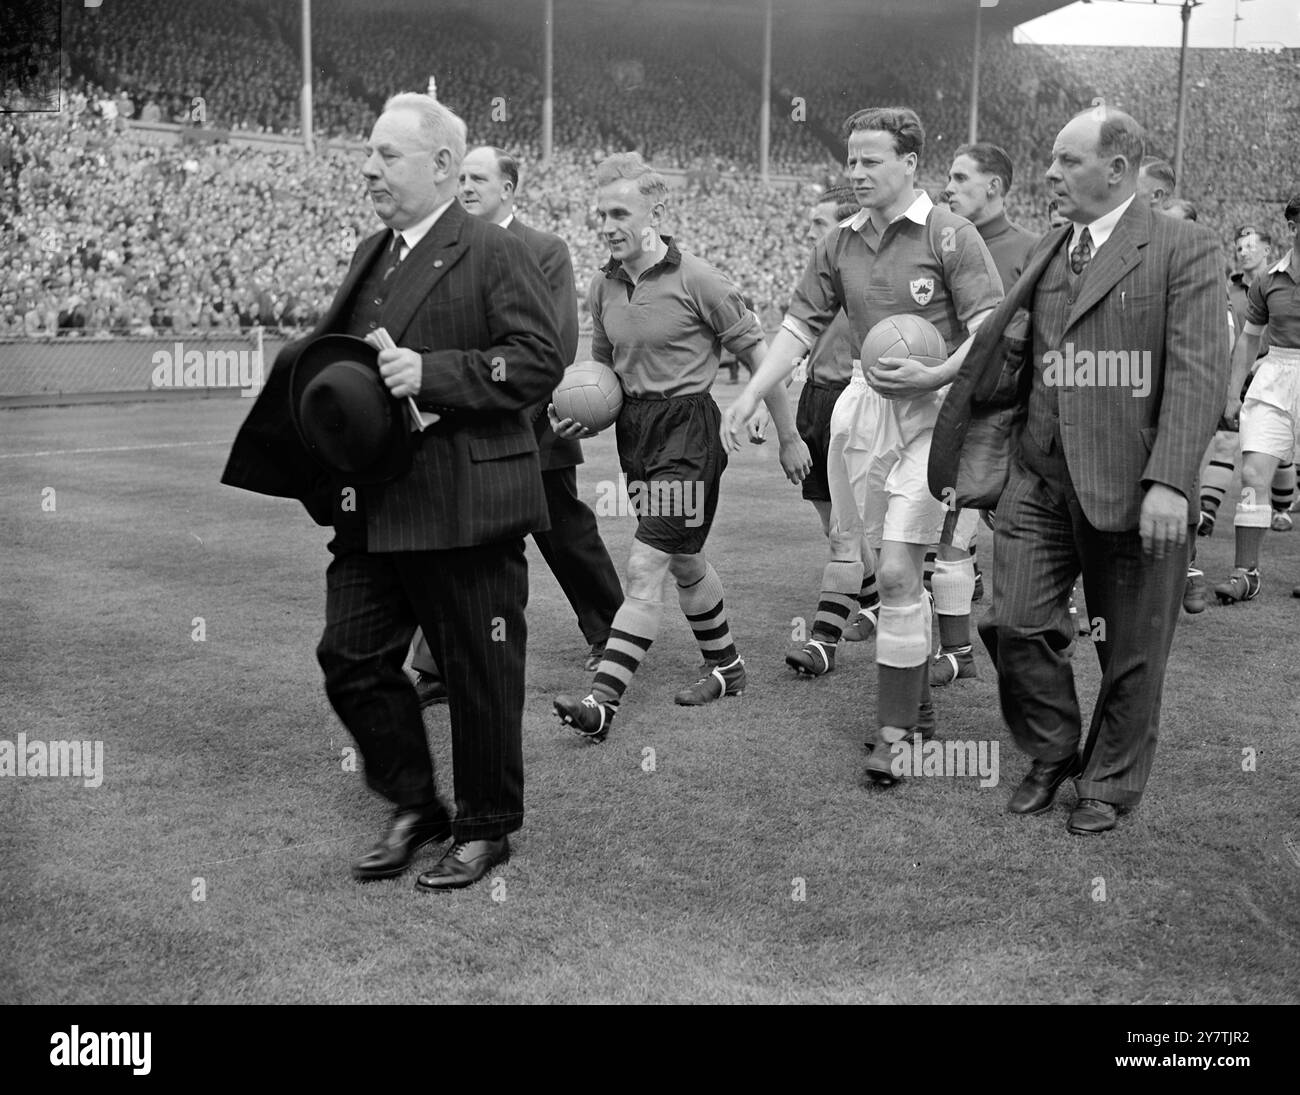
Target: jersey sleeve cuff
x=797 y=328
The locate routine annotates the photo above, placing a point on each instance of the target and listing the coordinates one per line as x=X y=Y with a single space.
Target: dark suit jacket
x=472 y=301
x=1155 y=286
x=552 y=255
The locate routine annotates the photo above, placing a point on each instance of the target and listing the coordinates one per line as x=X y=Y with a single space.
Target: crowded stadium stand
x=168 y=192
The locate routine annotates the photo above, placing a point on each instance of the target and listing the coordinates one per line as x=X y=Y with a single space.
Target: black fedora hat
x=344 y=413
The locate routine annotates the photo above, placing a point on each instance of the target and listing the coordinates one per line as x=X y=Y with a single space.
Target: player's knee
x=898 y=581
x=1223 y=446
x=645 y=575
x=1257 y=474
x=687 y=568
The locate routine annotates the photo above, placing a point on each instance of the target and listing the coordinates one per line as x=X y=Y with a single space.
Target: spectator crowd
x=108 y=230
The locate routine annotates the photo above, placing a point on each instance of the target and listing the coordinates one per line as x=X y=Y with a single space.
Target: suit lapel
x=1120 y=253
x=1022 y=293
x=421 y=270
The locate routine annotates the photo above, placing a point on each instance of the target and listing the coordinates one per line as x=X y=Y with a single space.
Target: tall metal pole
x=548 y=80
x=973 y=128
x=1182 y=101
x=308 y=143
x=765 y=104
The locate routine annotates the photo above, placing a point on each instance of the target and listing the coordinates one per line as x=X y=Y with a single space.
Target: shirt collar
x=1283 y=264
x=673 y=257
x=413 y=235
x=918 y=212
x=506 y=223
x=1102 y=227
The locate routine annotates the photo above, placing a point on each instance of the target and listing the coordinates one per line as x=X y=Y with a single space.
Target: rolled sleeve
x=743 y=335
x=799 y=329
x=723 y=309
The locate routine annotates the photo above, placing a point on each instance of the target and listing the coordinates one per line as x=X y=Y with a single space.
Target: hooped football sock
x=1283 y=487
x=1214 y=485
x=868 y=594
x=841 y=581
x=702 y=604
x=635 y=627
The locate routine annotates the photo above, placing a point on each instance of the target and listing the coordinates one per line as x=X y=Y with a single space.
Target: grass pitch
x=742 y=860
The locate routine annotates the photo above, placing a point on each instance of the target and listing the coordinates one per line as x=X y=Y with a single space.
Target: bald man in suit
x=441 y=545
x=1120 y=383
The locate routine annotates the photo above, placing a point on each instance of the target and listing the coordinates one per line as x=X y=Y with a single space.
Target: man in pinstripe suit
x=440 y=546
x=1122 y=386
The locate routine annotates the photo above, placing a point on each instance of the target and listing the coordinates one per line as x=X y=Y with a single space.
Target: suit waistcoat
x=367 y=304
x=1056 y=291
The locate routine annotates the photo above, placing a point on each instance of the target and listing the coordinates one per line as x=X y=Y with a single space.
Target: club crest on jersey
x=922 y=290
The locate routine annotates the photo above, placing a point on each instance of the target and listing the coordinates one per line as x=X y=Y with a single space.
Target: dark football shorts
x=813 y=421
x=672 y=455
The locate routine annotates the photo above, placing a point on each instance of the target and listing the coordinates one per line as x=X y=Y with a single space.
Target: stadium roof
x=1003 y=13
x=947 y=14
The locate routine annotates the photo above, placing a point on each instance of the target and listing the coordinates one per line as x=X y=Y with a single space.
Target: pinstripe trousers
x=470 y=603
x=1042 y=541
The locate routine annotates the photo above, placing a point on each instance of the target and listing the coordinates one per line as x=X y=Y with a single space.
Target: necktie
x=1081 y=255
x=395 y=256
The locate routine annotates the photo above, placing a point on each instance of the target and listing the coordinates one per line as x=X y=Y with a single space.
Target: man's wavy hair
x=630 y=165
x=899 y=122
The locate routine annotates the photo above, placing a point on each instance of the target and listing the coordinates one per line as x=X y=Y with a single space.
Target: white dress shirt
x=409 y=237
x=1102 y=227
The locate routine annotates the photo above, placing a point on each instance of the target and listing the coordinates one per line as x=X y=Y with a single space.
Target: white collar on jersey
x=917 y=212
x=1282 y=264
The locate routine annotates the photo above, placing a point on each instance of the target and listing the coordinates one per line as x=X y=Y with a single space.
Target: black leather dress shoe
x=430 y=689
x=465 y=864
x=1092 y=815
x=407 y=831
x=1038 y=789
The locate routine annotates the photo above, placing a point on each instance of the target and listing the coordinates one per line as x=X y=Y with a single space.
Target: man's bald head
x=1095 y=163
